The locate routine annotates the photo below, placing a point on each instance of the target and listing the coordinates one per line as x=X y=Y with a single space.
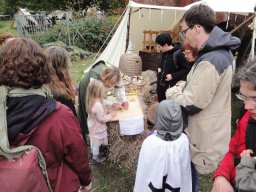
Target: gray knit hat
x=169 y=119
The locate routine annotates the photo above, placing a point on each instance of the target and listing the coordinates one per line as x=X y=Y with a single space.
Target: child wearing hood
x=164 y=161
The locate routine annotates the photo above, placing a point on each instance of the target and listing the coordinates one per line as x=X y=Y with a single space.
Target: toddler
x=164 y=161
x=97 y=118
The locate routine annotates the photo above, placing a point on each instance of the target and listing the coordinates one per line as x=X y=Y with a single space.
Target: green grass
x=111 y=178
x=77 y=68
x=6 y=26
x=205 y=183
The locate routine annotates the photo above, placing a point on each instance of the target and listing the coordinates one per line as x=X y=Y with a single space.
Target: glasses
x=183 y=33
x=186 y=52
x=244 y=98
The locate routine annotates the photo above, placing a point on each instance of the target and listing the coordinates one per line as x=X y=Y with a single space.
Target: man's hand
x=125 y=105
x=221 y=184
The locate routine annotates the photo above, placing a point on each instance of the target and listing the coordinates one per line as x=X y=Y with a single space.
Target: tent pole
x=253 y=39
x=243 y=23
x=128 y=30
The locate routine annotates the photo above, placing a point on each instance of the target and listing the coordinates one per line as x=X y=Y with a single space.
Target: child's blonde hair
x=95 y=91
x=110 y=75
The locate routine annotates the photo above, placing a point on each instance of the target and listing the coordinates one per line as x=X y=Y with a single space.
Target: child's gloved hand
x=125 y=105
x=113 y=114
x=248 y=153
x=116 y=106
x=85 y=188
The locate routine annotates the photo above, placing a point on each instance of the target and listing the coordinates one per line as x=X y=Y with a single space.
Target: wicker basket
x=130 y=64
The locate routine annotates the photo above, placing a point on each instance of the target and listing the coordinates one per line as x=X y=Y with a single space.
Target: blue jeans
x=194 y=178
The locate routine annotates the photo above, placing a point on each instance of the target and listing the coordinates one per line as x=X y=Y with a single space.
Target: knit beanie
x=169 y=121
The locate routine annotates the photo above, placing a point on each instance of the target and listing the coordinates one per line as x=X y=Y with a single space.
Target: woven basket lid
x=130 y=64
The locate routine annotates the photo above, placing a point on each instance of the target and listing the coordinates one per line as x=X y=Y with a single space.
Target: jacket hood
x=169 y=120
x=24 y=113
x=220 y=40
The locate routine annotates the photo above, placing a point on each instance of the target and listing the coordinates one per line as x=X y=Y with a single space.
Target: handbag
x=22 y=168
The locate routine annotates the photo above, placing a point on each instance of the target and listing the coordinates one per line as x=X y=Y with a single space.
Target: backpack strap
x=250 y=136
x=5 y=149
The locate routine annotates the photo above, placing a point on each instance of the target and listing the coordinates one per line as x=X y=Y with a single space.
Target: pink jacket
x=97 y=119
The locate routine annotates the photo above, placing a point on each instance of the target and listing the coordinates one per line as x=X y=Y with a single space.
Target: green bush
x=86 y=33
x=46 y=37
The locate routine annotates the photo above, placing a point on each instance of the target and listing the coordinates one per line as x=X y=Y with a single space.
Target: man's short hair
x=201 y=15
x=164 y=38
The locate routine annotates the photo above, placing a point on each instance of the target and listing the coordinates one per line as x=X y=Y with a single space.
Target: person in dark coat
x=34 y=118
x=174 y=66
x=112 y=79
x=61 y=84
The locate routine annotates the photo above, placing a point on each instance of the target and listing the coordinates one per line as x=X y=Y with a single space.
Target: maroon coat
x=60 y=140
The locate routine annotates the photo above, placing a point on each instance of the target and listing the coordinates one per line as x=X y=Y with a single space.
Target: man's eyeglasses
x=183 y=33
x=244 y=98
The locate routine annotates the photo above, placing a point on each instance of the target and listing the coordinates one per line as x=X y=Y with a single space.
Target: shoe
x=98 y=160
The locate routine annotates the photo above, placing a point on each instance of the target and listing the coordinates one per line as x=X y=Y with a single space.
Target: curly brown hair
x=4 y=36
x=23 y=64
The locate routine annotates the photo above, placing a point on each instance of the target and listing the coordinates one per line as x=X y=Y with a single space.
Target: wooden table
x=134 y=110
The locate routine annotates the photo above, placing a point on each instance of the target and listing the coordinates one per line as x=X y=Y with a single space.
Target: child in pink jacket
x=97 y=118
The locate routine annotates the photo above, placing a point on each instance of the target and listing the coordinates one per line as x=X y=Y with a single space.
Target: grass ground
x=77 y=68
x=6 y=26
x=113 y=178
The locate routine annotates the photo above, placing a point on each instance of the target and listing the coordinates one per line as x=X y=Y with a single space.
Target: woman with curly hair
x=34 y=118
x=6 y=37
x=61 y=84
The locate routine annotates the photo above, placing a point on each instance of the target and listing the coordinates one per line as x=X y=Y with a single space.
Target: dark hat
x=169 y=119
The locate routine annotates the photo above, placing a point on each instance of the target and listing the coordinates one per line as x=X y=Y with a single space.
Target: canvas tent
x=140 y=17
x=25 y=18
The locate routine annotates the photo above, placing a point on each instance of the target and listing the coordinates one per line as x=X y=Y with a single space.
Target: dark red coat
x=60 y=140
x=236 y=147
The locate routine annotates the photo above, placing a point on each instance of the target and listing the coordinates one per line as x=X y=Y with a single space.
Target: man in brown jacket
x=206 y=94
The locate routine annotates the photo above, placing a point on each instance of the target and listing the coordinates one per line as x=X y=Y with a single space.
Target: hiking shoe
x=98 y=160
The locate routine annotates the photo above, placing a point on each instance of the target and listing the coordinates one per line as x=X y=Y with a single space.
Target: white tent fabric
x=253 y=39
x=231 y=6
x=140 y=17
x=24 y=20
